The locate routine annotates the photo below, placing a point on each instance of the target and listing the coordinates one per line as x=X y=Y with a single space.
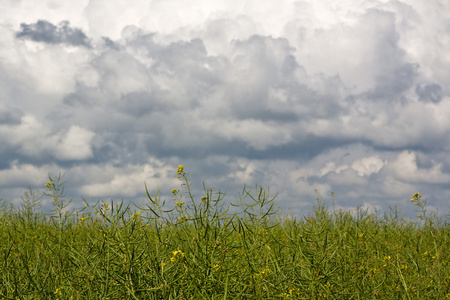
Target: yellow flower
x=178 y=252
x=50 y=183
x=263 y=273
x=180 y=169
x=136 y=214
x=176 y=255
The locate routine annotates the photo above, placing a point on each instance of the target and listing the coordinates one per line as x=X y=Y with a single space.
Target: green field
x=196 y=247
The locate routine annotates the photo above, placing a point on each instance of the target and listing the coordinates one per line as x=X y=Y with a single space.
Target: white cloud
x=36 y=140
x=28 y=135
x=257 y=134
x=406 y=169
x=75 y=144
x=368 y=165
x=130 y=180
x=18 y=175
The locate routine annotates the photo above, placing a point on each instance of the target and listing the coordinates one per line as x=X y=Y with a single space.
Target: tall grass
x=199 y=248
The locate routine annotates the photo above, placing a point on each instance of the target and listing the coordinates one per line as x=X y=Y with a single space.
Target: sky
x=348 y=97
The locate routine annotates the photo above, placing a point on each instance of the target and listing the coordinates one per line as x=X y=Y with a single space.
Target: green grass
x=199 y=248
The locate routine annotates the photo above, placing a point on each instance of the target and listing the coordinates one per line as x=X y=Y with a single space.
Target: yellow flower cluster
x=176 y=255
x=292 y=293
x=180 y=170
x=49 y=185
x=416 y=199
x=263 y=273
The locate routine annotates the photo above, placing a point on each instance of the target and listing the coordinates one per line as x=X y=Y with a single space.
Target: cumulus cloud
x=128 y=181
x=75 y=144
x=32 y=139
x=18 y=175
x=349 y=97
x=405 y=167
x=368 y=165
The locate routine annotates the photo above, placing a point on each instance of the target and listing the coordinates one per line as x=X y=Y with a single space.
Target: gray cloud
x=10 y=116
x=429 y=92
x=44 y=31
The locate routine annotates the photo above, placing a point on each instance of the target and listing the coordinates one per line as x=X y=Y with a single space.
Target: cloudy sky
x=348 y=96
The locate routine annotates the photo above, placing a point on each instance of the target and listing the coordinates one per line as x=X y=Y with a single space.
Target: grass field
x=197 y=248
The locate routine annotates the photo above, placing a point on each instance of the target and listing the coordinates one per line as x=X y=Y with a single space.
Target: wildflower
x=263 y=273
x=174 y=192
x=294 y=291
x=82 y=219
x=49 y=184
x=178 y=252
x=216 y=267
x=176 y=255
x=180 y=169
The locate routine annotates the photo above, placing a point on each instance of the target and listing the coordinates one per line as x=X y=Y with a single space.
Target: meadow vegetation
x=190 y=247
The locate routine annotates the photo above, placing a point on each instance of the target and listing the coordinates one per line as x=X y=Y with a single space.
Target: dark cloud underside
x=46 y=32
